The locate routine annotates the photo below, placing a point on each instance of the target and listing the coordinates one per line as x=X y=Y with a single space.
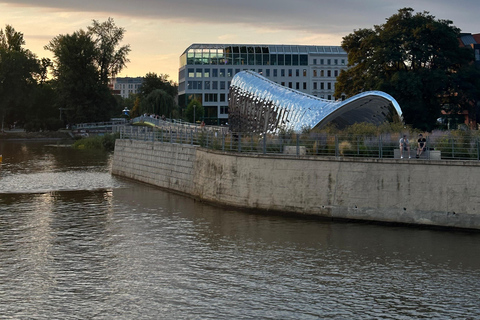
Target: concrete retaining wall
x=440 y=193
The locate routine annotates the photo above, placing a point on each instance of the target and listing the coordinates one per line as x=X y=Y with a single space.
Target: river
x=79 y=243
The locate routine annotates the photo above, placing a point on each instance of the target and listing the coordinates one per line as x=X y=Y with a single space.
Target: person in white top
x=404 y=146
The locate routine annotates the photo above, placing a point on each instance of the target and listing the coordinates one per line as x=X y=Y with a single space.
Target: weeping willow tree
x=158 y=102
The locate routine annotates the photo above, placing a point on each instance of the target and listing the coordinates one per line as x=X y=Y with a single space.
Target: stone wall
x=440 y=193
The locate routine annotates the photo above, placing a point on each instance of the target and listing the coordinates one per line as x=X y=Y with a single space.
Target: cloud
x=307 y=15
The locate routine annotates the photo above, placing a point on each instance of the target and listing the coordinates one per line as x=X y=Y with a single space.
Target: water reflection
x=108 y=248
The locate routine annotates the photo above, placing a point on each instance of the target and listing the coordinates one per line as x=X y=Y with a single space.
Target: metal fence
x=450 y=147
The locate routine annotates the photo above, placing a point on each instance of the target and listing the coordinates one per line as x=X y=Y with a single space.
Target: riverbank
x=20 y=134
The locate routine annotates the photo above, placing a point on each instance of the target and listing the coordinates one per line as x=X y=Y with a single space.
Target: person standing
x=421 y=145
x=404 y=146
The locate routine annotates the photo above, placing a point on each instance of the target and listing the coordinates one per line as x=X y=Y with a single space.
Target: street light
x=194 y=113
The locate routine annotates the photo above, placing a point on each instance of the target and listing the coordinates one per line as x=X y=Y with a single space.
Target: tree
x=107 y=37
x=18 y=71
x=194 y=107
x=152 y=81
x=158 y=102
x=413 y=57
x=82 y=95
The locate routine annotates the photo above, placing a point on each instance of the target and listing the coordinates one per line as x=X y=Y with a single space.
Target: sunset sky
x=160 y=30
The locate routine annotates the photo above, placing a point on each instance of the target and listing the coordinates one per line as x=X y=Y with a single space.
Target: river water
x=78 y=243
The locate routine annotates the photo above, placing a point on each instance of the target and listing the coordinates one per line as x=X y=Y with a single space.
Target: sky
x=158 y=31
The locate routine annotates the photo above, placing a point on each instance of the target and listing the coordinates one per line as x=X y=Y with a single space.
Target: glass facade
x=206 y=71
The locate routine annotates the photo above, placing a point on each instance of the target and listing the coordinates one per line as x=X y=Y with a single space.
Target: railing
x=451 y=147
x=175 y=124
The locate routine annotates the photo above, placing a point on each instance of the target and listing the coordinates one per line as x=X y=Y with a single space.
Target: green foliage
x=19 y=69
x=82 y=64
x=196 y=106
x=415 y=58
x=109 y=59
x=158 y=102
x=152 y=82
x=105 y=142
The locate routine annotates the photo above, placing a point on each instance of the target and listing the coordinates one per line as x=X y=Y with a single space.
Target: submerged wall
x=440 y=193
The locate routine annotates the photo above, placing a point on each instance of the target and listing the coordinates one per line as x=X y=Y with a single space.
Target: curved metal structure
x=257 y=104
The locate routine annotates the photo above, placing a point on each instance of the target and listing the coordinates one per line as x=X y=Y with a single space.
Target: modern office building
x=124 y=86
x=206 y=71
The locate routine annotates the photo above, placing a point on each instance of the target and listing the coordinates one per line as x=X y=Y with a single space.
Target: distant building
x=125 y=86
x=473 y=41
x=206 y=71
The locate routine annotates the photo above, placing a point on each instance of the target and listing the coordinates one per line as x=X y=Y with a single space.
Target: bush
x=105 y=142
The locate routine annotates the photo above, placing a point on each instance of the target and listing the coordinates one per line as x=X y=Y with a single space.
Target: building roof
x=273 y=48
x=467 y=39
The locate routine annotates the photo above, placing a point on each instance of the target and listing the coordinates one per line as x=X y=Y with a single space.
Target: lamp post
x=194 y=114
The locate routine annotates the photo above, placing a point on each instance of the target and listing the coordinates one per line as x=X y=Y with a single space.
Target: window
x=336 y=73
x=275 y=72
x=343 y=62
x=314 y=61
x=297 y=73
x=283 y=72
x=222 y=97
x=329 y=86
x=297 y=86
x=222 y=85
x=206 y=73
x=267 y=72
x=214 y=85
x=329 y=61
x=260 y=71
x=314 y=73
x=314 y=86
x=304 y=72
x=214 y=73
x=322 y=86
x=322 y=73
x=191 y=73
x=198 y=73
x=304 y=86
x=290 y=72
x=207 y=85
x=329 y=73
x=335 y=61
x=322 y=61
x=223 y=109
x=290 y=85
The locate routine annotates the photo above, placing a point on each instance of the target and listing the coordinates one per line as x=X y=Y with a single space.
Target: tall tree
x=110 y=57
x=414 y=57
x=18 y=71
x=82 y=95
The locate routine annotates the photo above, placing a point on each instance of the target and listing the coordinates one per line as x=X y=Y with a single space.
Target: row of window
x=208 y=85
x=222 y=73
x=125 y=86
x=214 y=85
x=329 y=61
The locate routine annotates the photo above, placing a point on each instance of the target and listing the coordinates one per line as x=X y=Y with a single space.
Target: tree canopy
x=83 y=63
x=19 y=69
x=416 y=59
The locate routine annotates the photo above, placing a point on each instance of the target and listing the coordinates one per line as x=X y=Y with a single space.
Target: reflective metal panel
x=257 y=104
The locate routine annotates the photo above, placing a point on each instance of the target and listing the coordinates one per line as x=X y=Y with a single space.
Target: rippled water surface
x=77 y=243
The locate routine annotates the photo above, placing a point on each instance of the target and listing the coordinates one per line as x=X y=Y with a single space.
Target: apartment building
x=124 y=86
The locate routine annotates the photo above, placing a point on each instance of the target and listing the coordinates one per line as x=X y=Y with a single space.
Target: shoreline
x=17 y=134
